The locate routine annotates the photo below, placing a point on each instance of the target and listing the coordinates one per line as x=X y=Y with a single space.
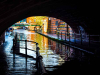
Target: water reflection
x=16 y=64
x=54 y=54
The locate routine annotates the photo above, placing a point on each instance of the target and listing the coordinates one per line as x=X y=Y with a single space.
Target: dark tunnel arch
x=76 y=14
x=69 y=13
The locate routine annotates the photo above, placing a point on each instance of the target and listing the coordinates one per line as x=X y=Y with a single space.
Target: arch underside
x=74 y=13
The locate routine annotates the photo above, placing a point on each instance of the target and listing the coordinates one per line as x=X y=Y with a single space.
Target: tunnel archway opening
x=71 y=12
x=31 y=24
x=45 y=24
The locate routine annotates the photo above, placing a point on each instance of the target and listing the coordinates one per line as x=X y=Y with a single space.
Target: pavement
x=12 y=64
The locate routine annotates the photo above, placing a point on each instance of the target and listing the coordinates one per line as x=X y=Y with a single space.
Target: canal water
x=15 y=64
x=54 y=53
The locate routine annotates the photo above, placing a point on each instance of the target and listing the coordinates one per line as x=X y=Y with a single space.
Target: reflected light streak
x=46 y=50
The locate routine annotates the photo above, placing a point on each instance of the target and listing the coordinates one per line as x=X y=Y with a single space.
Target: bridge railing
x=39 y=63
x=81 y=39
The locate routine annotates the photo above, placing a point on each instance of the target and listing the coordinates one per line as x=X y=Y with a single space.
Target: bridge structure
x=81 y=13
x=23 y=24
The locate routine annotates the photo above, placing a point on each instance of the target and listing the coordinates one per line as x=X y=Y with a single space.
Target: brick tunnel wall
x=74 y=13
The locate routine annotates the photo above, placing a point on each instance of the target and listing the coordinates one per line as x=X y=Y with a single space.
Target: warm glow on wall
x=45 y=22
x=35 y=20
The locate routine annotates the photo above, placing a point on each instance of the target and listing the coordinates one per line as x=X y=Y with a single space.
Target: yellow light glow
x=38 y=20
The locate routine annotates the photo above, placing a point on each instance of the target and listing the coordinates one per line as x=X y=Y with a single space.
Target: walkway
x=17 y=65
x=81 y=43
x=69 y=67
x=10 y=65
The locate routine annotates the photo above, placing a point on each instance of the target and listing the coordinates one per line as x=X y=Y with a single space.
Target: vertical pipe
x=13 y=53
x=16 y=40
x=26 y=54
x=37 y=55
x=26 y=47
x=36 y=50
x=13 y=45
x=38 y=60
x=19 y=42
x=19 y=45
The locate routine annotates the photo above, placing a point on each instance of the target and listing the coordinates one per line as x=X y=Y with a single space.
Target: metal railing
x=39 y=63
x=81 y=39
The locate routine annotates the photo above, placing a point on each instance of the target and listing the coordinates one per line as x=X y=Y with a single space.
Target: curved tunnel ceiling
x=72 y=13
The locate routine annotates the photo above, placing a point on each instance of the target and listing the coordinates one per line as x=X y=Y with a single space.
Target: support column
x=26 y=54
x=13 y=53
x=26 y=47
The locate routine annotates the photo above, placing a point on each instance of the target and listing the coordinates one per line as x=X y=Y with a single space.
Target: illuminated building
x=46 y=24
x=58 y=25
x=36 y=22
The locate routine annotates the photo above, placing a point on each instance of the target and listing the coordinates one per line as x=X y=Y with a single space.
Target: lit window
x=49 y=18
x=34 y=20
x=56 y=23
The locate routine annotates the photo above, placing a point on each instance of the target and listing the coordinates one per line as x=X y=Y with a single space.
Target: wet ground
x=10 y=65
x=47 y=48
x=54 y=53
x=56 y=57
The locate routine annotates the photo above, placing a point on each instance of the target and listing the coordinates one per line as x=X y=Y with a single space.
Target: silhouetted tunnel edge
x=21 y=13
x=48 y=8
